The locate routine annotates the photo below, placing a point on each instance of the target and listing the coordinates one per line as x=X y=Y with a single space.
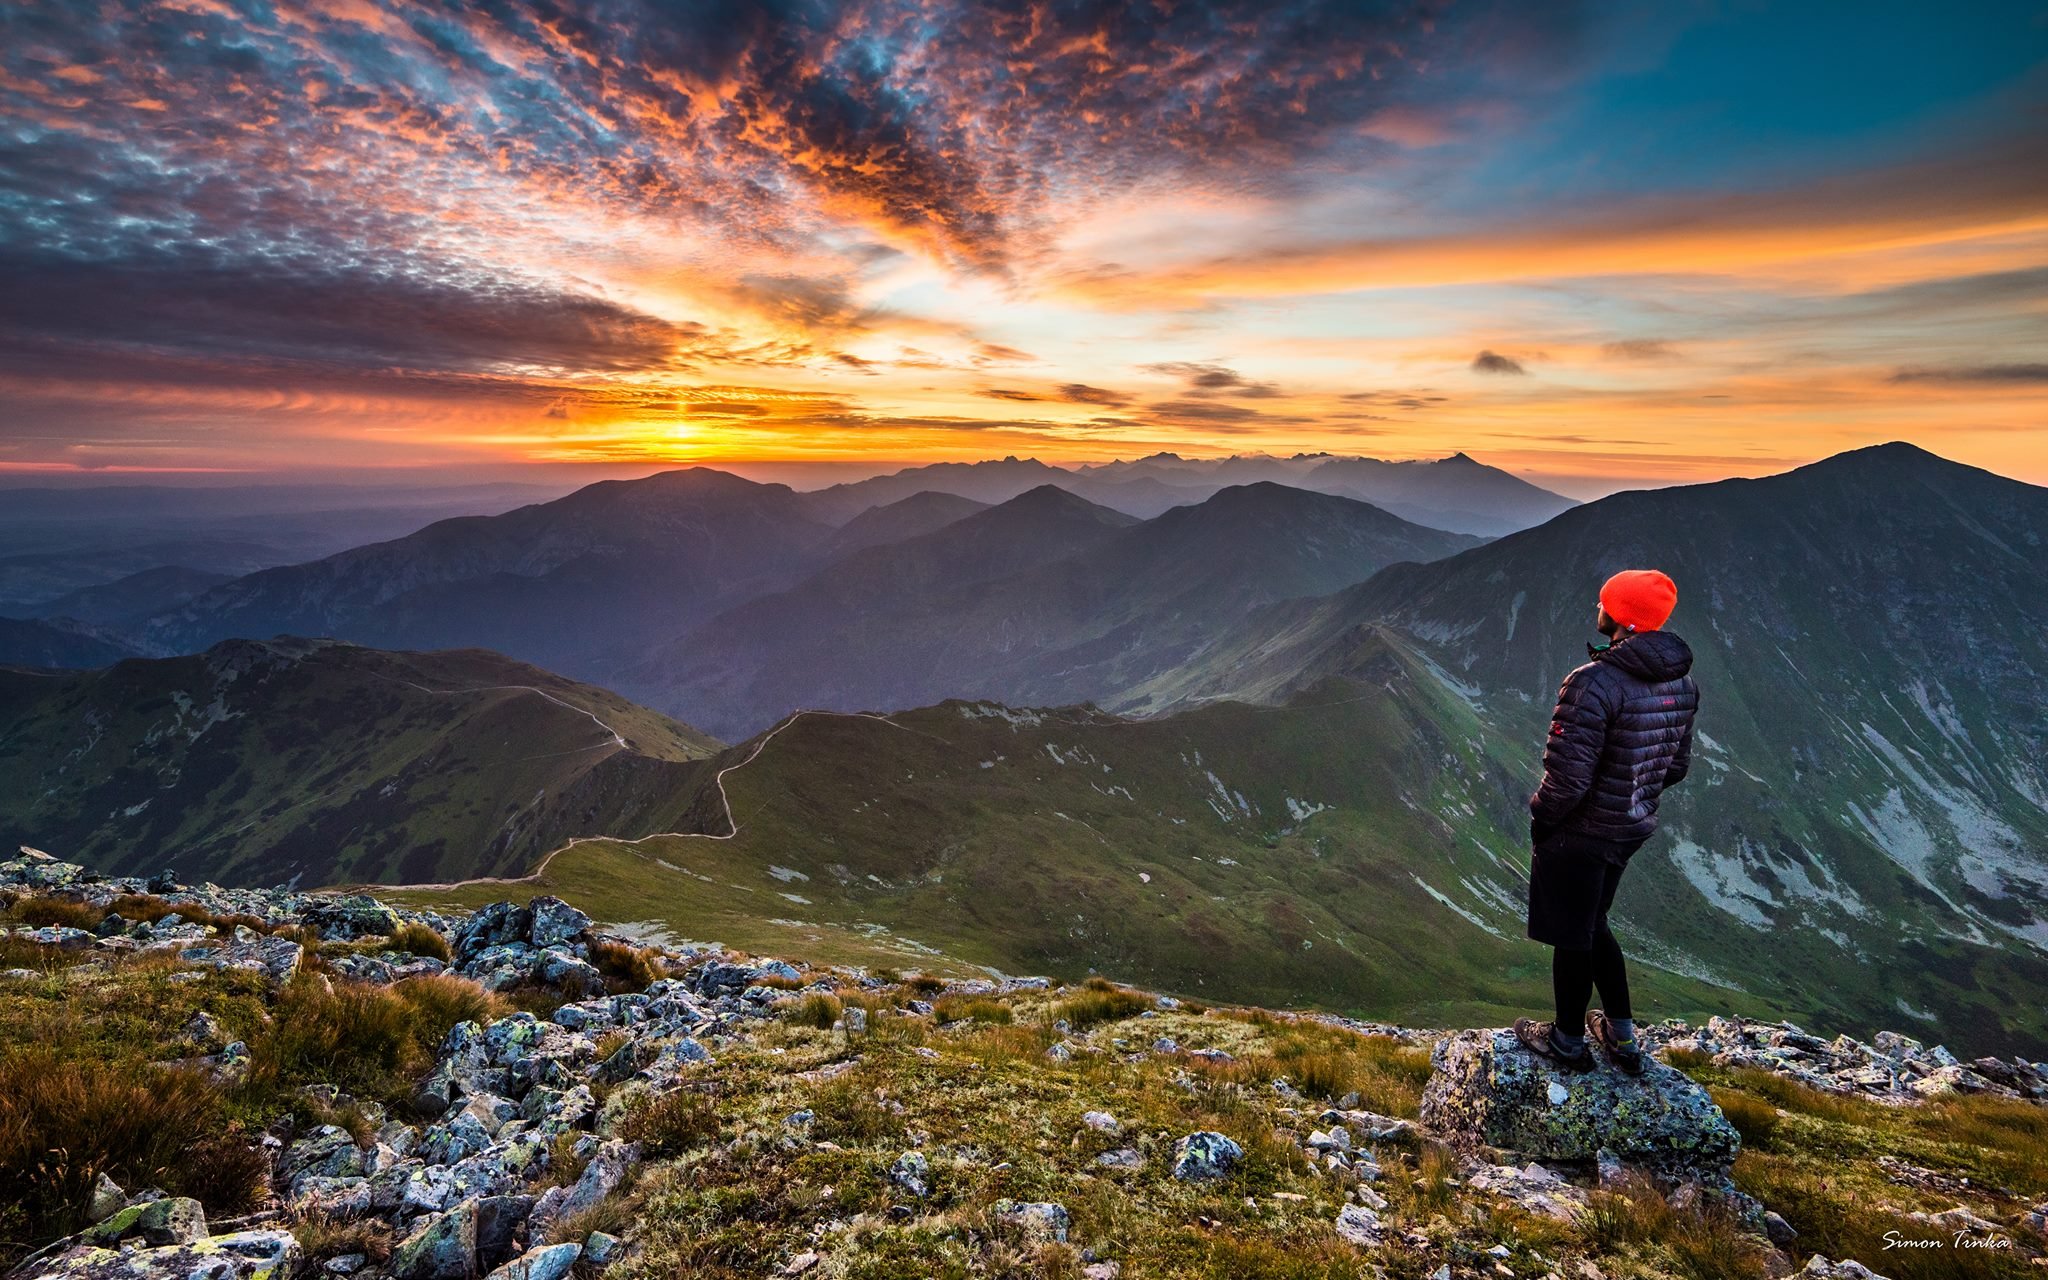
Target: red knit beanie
x=1639 y=599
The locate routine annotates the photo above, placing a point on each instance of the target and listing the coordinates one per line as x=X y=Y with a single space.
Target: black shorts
x=1572 y=879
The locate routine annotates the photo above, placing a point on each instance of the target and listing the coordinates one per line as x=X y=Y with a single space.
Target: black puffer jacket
x=1622 y=732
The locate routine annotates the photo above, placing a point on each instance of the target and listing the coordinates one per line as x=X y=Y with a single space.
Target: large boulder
x=555 y=921
x=355 y=915
x=1486 y=1089
x=442 y=1247
x=495 y=925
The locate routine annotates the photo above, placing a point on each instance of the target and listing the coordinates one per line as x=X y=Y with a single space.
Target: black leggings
x=1575 y=972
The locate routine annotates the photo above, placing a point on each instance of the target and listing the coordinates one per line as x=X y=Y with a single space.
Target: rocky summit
x=308 y=1084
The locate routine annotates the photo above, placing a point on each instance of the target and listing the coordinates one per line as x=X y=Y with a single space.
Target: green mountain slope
x=1868 y=816
x=1312 y=854
x=263 y=762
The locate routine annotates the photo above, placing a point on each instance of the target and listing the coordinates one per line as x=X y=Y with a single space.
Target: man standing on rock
x=1621 y=734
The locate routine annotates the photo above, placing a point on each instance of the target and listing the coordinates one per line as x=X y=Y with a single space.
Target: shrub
x=977 y=1008
x=612 y=1215
x=1756 y=1120
x=671 y=1124
x=1687 y=1060
x=848 y=1109
x=366 y=1039
x=816 y=1009
x=925 y=984
x=1101 y=1002
x=630 y=966
x=58 y=911
x=323 y=1237
x=421 y=940
x=65 y=1120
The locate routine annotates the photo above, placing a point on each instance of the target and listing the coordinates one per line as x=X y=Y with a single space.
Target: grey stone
x=549 y=1262
x=1360 y=1226
x=1040 y=1220
x=495 y=925
x=171 y=1220
x=443 y=1247
x=912 y=1172
x=602 y=1249
x=107 y=1199
x=554 y=921
x=240 y=1255
x=357 y=915
x=1206 y=1155
x=1486 y=1089
x=498 y=1222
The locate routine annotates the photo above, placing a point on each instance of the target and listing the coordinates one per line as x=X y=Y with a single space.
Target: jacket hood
x=1651 y=655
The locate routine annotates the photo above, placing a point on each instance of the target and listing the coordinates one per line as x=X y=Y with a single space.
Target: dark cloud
x=1208 y=378
x=1001 y=393
x=1082 y=393
x=1989 y=373
x=1494 y=362
x=1638 y=349
x=317 y=310
x=996 y=353
x=1394 y=399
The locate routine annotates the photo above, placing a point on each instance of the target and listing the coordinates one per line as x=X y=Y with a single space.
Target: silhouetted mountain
x=1002 y=605
x=606 y=570
x=1455 y=493
x=59 y=642
x=134 y=599
x=920 y=513
x=1448 y=493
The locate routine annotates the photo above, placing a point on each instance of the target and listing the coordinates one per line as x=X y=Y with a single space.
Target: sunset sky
x=1598 y=246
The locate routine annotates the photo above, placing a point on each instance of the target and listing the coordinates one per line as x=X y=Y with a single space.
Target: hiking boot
x=1535 y=1037
x=1626 y=1055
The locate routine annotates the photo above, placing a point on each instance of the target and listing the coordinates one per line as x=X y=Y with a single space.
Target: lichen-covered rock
x=355 y=915
x=172 y=1220
x=107 y=1199
x=328 y=1152
x=1360 y=1226
x=1040 y=1220
x=555 y=921
x=1486 y=1089
x=496 y=925
x=240 y=1255
x=1202 y=1156
x=442 y=1248
x=1820 y=1268
x=550 y=1262
x=912 y=1172
x=607 y=1169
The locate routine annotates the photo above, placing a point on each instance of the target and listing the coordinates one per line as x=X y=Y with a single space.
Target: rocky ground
x=516 y=1094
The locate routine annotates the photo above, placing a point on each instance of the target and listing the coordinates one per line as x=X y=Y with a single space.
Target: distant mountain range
x=314 y=761
x=1044 y=599
x=58 y=540
x=1456 y=494
x=59 y=642
x=613 y=582
x=611 y=569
